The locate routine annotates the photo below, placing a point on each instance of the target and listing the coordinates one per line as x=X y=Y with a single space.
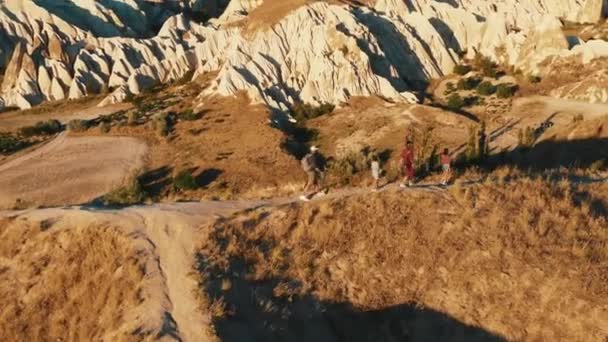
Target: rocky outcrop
x=317 y=53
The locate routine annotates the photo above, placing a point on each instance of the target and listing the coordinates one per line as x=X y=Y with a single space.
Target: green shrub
x=341 y=171
x=78 y=125
x=462 y=69
x=468 y=83
x=425 y=144
x=130 y=194
x=455 y=102
x=189 y=115
x=505 y=90
x=184 y=181
x=305 y=111
x=42 y=128
x=486 y=88
x=9 y=144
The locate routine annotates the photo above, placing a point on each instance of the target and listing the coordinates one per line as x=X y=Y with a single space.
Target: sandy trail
x=70 y=170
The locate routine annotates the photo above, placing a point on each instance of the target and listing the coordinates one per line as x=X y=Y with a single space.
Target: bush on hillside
x=505 y=90
x=189 y=115
x=486 y=88
x=184 y=181
x=130 y=194
x=305 y=111
x=455 y=102
x=78 y=125
x=341 y=171
x=9 y=144
x=468 y=83
x=42 y=128
x=462 y=69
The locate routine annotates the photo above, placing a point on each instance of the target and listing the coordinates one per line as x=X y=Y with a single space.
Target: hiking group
x=313 y=164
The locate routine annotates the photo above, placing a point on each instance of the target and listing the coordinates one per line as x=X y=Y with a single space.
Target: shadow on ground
x=269 y=310
x=154 y=182
x=208 y=176
x=552 y=154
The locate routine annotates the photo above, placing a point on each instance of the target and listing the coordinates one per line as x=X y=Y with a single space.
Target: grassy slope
x=524 y=261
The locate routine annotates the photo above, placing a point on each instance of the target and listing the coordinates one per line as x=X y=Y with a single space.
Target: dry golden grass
x=526 y=261
x=77 y=284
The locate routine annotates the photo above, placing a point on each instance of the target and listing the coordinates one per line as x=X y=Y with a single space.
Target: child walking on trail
x=376 y=171
x=446 y=165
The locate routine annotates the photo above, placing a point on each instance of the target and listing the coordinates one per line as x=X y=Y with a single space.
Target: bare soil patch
x=69 y=170
x=63 y=111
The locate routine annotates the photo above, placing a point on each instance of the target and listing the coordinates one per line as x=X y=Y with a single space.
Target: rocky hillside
x=279 y=52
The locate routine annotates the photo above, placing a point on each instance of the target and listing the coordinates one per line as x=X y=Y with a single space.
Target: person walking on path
x=311 y=165
x=446 y=166
x=407 y=165
x=376 y=171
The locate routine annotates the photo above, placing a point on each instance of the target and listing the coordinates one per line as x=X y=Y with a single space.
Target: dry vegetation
x=523 y=261
x=77 y=283
x=226 y=144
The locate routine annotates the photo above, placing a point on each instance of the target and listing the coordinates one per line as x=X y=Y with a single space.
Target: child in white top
x=376 y=171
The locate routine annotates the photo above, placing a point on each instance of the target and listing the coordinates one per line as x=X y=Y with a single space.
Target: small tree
x=132 y=193
x=426 y=148
x=471 y=148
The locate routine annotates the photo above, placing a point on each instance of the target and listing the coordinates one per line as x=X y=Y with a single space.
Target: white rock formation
x=317 y=53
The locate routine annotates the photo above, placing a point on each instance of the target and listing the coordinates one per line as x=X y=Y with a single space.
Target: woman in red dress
x=407 y=164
